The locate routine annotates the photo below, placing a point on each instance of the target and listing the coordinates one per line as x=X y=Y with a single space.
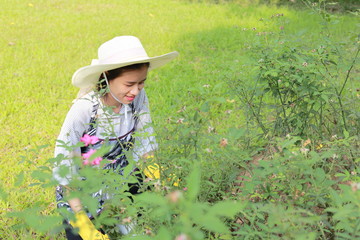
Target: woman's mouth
x=130 y=98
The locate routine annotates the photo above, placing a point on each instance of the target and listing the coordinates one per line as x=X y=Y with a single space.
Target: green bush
x=300 y=87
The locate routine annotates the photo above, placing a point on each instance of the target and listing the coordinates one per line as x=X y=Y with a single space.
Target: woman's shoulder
x=86 y=103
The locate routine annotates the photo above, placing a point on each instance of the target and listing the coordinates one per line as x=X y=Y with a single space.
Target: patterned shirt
x=109 y=125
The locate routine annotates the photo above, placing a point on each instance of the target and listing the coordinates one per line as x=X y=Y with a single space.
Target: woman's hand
x=75 y=204
x=87 y=230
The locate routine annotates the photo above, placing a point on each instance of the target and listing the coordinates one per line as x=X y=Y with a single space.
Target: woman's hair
x=114 y=73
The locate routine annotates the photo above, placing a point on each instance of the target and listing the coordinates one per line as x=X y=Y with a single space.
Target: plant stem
x=250 y=105
x=348 y=72
x=338 y=93
x=282 y=106
x=243 y=97
x=342 y=109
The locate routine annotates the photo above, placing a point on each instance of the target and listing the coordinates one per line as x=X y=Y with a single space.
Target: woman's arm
x=145 y=142
x=72 y=129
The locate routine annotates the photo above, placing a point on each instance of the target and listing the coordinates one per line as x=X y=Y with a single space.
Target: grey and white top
x=109 y=125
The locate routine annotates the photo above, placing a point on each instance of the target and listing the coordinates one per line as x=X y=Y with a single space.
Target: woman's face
x=128 y=85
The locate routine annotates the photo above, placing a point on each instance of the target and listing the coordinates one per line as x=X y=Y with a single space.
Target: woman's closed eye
x=132 y=84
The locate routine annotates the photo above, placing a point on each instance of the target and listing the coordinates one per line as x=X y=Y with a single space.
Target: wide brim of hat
x=88 y=76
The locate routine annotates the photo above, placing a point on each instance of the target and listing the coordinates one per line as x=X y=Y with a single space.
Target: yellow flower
x=30 y=5
x=320 y=146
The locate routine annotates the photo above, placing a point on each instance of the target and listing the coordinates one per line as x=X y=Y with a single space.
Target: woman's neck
x=108 y=100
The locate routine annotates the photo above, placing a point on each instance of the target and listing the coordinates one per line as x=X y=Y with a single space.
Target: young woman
x=112 y=106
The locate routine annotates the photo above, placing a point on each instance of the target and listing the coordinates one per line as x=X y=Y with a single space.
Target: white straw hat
x=115 y=53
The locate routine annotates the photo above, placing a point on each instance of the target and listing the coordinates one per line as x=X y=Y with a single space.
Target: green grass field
x=44 y=42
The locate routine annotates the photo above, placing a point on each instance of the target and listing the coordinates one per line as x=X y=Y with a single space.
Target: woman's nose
x=135 y=90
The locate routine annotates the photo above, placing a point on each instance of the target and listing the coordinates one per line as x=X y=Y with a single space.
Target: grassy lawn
x=44 y=42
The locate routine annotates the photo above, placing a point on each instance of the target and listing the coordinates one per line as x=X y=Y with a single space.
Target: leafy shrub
x=299 y=87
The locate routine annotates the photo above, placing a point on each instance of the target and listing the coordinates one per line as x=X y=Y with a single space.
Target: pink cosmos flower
x=97 y=161
x=88 y=154
x=87 y=139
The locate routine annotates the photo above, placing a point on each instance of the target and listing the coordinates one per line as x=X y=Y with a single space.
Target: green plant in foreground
x=161 y=216
x=179 y=213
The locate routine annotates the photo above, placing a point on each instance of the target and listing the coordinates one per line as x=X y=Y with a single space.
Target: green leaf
x=41 y=175
x=193 y=182
x=163 y=234
x=205 y=107
x=19 y=179
x=151 y=198
x=213 y=223
x=219 y=99
x=197 y=117
x=237 y=133
x=272 y=73
x=227 y=208
x=320 y=174
x=3 y=195
x=226 y=237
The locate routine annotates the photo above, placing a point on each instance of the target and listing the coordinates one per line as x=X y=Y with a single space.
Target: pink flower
x=87 y=139
x=97 y=161
x=182 y=237
x=88 y=154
